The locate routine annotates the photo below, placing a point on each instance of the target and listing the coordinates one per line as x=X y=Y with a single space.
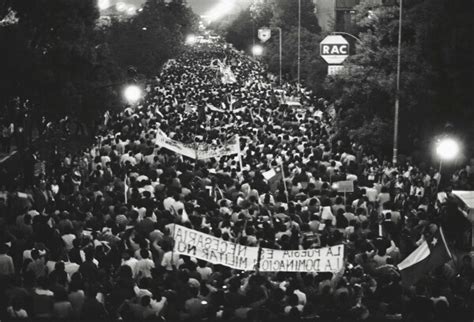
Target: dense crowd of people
x=89 y=237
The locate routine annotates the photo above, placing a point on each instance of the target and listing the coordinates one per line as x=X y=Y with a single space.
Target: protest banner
x=344 y=186
x=165 y=142
x=327 y=259
x=215 y=250
x=198 y=151
x=207 y=151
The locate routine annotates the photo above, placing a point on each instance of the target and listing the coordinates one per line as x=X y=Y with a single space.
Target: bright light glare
x=447 y=149
x=220 y=10
x=257 y=50
x=121 y=6
x=103 y=4
x=190 y=40
x=131 y=10
x=132 y=93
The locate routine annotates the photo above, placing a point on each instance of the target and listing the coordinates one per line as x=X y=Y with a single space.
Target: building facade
x=336 y=15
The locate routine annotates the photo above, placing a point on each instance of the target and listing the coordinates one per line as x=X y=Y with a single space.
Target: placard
x=214 y=250
x=327 y=259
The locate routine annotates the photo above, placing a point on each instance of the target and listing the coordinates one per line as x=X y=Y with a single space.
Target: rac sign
x=334 y=49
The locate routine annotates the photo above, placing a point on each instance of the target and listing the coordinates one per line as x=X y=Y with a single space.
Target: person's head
x=144 y=253
x=59 y=266
x=89 y=252
x=3 y=248
x=35 y=254
x=145 y=301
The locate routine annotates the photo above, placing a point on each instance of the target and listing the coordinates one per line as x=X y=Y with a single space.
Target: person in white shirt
x=326 y=214
x=170 y=258
x=168 y=203
x=131 y=262
x=145 y=264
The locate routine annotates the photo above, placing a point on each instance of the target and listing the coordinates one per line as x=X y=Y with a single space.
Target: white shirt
x=170 y=259
x=326 y=214
x=144 y=267
x=68 y=239
x=132 y=263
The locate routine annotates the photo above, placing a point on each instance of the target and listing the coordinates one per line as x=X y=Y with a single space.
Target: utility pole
x=397 y=94
x=299 y=44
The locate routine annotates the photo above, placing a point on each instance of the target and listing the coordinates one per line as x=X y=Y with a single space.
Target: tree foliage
x=434 y=84
x=242 y=33
x=60 y=59
x=155 y=35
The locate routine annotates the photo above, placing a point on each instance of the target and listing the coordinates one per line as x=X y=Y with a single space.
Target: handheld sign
x=345 y=186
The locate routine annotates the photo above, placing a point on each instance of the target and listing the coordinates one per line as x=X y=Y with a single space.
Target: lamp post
x=397 y=94
x=299 y=44
x=280 y=51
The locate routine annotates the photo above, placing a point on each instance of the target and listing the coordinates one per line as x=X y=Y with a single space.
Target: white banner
x=206 y=151
x=327 y=259
x=165 y=142
x=197 y=151
x=215 y=250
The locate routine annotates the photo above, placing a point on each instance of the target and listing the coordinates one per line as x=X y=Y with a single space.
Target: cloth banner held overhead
x=165 y=142
x=200 y=151
x=327 y=259
x=215 y=250
x=207 y=151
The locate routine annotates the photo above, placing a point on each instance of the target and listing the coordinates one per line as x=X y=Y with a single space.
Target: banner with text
x=215 y=250
x=327 y=259
x=207 y=151
x=198 y=151
x=165 y=142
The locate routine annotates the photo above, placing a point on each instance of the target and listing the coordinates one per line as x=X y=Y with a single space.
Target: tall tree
x=433 y=80
x=285 y=15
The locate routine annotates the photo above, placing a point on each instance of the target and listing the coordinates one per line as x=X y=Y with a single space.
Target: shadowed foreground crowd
x=74 y=246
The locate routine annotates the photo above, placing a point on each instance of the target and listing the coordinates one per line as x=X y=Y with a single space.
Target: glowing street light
x=103 y=4
x=131 y=10
x=121 y=6
x=257 y=50
x=447 y=149
x=132 y=94
x=190 y=40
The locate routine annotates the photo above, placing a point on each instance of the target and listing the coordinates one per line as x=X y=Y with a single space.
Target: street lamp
x=257 y=50
x=132 y=94
x=280 y=51
x=397 y=93
x=299 y=45
x=103 y=4
x=190 y=39
x=447 y=149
